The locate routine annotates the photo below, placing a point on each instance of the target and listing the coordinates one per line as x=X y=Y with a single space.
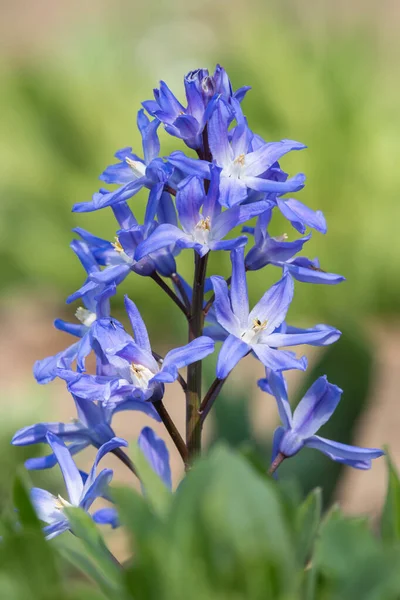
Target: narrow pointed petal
x=305 y=270
x=236 y=216
x=45 y=370
x=189 y=199
x=70 y=472
x=192 y=352
x=163 y=236
x=320 y=335
x=316 y=408
x=76 y=329
x=278 y=360
x=36 y=434
x=277 y=385
x=232 y=350
x=138 y=325
x=294 y=184
x=274 y=305
x=222 y=306
x=354 y=456
x=301 y=216
x=88 y=492
x=262 y=159
x=113 y=274
x=189 y=166
x=228 y=245
x=84 y=254
x=97 y=488
x=106 y=516
x=218 y=134
x=156 y=452
x=239 y=297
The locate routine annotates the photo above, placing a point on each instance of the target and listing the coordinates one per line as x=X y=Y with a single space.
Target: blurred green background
x=72 y=76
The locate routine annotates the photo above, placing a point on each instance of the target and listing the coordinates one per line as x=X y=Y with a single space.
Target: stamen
x=61 y=503
x=117 y=245
x=240 y=160
x=85 y=316
x=258 y=325
x=137 y=167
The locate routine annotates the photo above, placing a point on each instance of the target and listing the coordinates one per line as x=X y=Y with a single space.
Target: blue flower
x=119 y=257
x=96 y=302
x=133 y=173
x=244 y=169
x=82 y=490
x=133 y=372
x=276 y=251
x=204 y=225
x=257 y=331
x=156 y=453
x=313 y=411
x=202 y=92
x=91 y=428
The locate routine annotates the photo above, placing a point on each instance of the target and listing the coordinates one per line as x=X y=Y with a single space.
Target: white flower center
x=201 y=233
x=137 y=167
x=235 y=168
x=251 y=336
x=85 y=316
x=121 y=252
x=140 y=376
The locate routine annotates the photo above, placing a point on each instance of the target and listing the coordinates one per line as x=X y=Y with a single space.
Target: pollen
x=240 y=160
x=258 y=325
x=117 y=245
x=204 y=224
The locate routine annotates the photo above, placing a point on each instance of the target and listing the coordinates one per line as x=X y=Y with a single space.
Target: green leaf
x=134 y=512
x=156 y=491
x=26 y=513
x=307 y=523
x=83 y=526
x=390 y=522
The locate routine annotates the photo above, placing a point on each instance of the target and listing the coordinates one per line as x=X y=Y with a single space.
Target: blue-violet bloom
x=313 y=411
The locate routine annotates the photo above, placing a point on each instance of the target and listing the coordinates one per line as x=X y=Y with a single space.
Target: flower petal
x=222 y=306
x=264 y=157
x=274 y=305
x=275 y=383
x=294 y=184
x=278 y=360
x=316 y=407
x=232 y=350
x=156 y=452
x=354 y=456
x=137 y=324
x=239 y=297
x=320 y=335
x=69 y=470
x=301 y=216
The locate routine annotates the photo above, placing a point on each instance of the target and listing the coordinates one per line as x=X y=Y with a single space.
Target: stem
x=193 y=396
x=125 y=459
x=177 y=281
x=172 y=430
x=275 y=464
x=211 y=300
x=210 y=398
x=155 y=276
x=170 y=190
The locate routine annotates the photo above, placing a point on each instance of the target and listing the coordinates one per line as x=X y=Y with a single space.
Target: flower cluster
x=194 y=203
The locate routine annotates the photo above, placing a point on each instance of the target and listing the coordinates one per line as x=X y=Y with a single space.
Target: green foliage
x=228 y=532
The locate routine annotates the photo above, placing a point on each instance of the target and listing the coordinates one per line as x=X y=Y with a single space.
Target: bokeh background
x=72 y=76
